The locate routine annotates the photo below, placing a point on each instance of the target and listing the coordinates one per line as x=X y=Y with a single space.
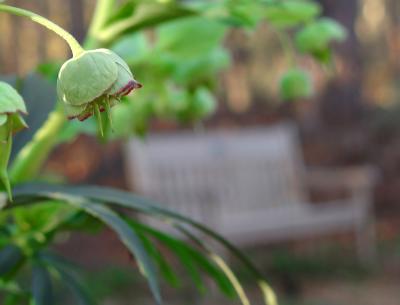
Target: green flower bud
x=204 y=103
x=11 y=107
x=93 y=82
x=295 y=84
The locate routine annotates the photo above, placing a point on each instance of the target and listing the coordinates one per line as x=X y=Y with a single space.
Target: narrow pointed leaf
x=42 y=289
x=10 y=258
x=137 y=203
x=64 y=267
x=128 y=237
x=165 y=269
x=192 y=259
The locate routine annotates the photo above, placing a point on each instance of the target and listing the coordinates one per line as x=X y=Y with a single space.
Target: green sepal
x=107 y=109
x=83 y=79
x=124 y=77
x=10 y=100
x=76 y=111
x=100 y=123
x=17 y=122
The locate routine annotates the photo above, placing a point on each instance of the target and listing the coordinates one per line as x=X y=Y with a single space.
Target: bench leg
x=366 y=242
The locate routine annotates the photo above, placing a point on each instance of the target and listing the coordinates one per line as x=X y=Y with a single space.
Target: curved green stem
x=76 y=48
x=31 y=158
x=100 y=16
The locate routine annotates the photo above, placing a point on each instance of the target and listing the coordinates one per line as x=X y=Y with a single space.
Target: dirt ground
x=376 y=291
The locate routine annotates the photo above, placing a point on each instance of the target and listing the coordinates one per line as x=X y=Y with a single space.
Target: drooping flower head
x=93 y=82
x=12 y=106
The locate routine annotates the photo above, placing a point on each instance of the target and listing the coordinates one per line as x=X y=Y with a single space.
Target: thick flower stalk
x=11 y=107
x=94 y=82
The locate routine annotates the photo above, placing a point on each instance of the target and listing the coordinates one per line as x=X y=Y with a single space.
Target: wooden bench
x=250 y=185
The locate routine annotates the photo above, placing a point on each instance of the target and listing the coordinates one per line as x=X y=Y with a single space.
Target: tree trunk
x=341 y=103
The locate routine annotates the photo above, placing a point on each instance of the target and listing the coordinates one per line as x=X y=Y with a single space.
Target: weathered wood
x=23 y=45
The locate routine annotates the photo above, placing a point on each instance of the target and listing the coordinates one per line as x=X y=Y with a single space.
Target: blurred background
x=346 y=136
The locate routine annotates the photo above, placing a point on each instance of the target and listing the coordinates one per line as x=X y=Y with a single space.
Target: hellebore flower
x=11 y=107
x=93 y=82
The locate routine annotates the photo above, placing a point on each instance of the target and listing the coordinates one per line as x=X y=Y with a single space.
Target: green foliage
x=185 y=57
x=11 y=101
x=94 y=82
x=12 y=106
x=42 y=287
x=65 y=272
x=316 y=38
x=295 y=84
x=10 y=257
x=176 y=48
x=137 y=237
x=291 y=13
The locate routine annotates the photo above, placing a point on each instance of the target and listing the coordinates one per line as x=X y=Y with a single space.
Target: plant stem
x=4 y=157
x=146 y=14
x=76 y=48
x=101 y=14
x=31 y=158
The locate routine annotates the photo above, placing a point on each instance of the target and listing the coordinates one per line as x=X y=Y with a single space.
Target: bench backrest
x=220 y=173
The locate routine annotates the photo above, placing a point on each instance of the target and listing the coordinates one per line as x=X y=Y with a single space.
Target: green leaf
x=42 y=218
x=42 y=289
x=176 y=247
x=12 y=292
x=18 y=122
x=316 y=37
x=10 y=100
x=39 y=95
x=49 y=70
x=3 y=119
x=194 y=71
x=128 y=237
x=132 y=48
x=13 y=299
x=132 y=201
x=68 y=278
x=10 y=258
x=76 y=287
x=295 y=84
x=290 y=13
x=191 y=258
x=230 y=275
x=164 y=267
x=204 y=102
x=190 y=37
x=245 y=13
x=123 y=11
